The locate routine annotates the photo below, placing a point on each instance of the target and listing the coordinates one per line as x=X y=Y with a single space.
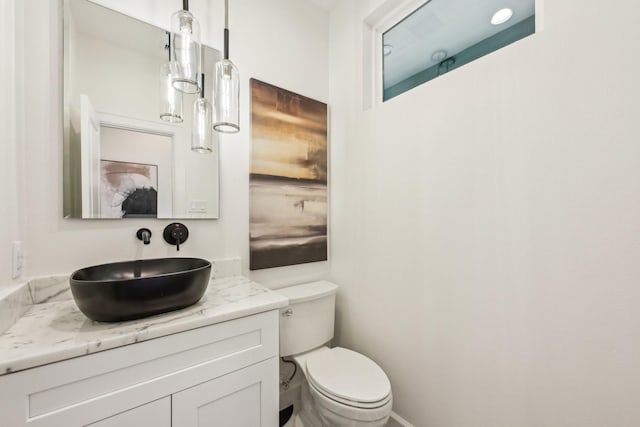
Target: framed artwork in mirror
x=128 y=190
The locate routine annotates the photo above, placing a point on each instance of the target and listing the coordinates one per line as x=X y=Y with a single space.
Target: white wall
x=11 y=154
x=98 y=73
x=486 y=226
x=284 y=42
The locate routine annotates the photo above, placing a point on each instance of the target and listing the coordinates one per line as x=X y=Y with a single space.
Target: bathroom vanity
x=215 y=363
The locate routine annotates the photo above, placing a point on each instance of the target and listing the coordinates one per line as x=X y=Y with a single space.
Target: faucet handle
x=175 y=234
x=144 y=234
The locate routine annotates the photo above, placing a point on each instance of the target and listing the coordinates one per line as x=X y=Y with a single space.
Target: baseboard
x=396 y=420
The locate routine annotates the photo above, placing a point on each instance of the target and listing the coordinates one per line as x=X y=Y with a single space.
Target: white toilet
x=343 y=388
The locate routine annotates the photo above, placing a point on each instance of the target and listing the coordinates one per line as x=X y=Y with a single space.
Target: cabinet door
x=154 y=414
x=245 y=398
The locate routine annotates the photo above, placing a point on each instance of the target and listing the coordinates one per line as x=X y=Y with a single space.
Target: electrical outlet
x=17 y=258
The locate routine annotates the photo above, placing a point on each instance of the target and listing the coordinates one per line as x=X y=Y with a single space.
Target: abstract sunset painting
x=288 y=181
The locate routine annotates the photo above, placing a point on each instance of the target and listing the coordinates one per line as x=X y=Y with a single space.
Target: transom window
x=442 y=35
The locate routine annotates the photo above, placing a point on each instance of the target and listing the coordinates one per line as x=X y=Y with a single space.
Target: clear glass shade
x=185 y=46
x=226 y=93
x=170 y=98
x=202 y=127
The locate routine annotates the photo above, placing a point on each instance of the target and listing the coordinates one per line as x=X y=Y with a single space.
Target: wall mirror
x=121 y=160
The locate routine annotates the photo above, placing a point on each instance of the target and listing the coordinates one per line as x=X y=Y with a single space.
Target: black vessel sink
x=134 y=289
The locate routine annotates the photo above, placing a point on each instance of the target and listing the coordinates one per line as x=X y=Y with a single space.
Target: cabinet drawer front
x=154 y=414
x=77 y=391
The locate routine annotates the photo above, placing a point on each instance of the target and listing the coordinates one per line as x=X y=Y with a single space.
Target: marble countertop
x=53 y=329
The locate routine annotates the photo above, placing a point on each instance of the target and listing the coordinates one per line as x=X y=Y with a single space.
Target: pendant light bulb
x=185 y=42
x=227 y=97
x=170 y=98
x=226 y=88
x=202 y=125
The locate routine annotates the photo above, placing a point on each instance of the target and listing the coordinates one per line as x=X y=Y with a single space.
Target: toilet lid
x=348 y=375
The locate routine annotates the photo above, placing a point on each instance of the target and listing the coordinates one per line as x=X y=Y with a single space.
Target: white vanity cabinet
x=224 y=374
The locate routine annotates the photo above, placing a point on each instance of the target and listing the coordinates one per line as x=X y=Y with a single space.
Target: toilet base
x=302 y=417
x=306 y=415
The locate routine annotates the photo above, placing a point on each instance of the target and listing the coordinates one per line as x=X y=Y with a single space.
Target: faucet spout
x=176 y=234
x=144 y=234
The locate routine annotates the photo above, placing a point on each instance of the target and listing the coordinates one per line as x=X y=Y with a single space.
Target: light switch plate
x=198 y=206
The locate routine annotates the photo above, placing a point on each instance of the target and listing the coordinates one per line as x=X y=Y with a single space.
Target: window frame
x=387 y=15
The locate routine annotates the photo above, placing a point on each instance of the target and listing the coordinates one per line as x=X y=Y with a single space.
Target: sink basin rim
x=81 y=281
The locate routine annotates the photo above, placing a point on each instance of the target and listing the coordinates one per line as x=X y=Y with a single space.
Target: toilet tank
x=309 y=319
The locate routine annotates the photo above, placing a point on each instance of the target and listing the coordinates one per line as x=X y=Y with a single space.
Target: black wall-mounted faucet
x=175 y=234
x=144 y=234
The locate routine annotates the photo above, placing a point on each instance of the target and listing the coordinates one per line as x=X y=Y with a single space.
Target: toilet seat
x=334 y=413
x=349 y=403
x=349 y=378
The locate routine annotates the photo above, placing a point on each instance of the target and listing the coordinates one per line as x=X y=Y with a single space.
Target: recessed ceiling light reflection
x=501 y=16
x=387 y=49
x=439 y=55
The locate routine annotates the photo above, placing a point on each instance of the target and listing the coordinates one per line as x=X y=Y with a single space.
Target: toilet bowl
x=343 y=388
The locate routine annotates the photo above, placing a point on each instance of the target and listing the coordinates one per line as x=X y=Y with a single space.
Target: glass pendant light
x=202 y=127
x=185 y=34
x=226 y=88
x=170 y=98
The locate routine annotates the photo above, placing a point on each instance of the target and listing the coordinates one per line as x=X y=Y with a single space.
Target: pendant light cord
x=185 y=5
x=168 y=45
x=226 y=13
x=226 y=29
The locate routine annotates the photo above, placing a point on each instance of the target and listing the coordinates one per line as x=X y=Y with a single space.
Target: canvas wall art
x=128 y=190
x=288 y=181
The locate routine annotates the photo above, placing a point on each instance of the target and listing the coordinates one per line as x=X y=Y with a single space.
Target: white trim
x=388 y=14
x=539 y=11
x=138 y=125
x=392 y=12
x=399 y=420
x=89 y=158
